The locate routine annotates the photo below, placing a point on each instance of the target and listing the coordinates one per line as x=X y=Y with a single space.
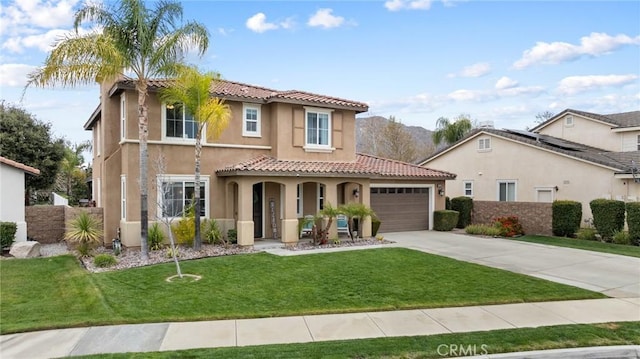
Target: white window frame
x=464 y=188
x=123 y=197
x=204 y=180
x=507 y=182
x=98 y=143
x=123 y=116
x=314 y=146
x=484 y=144
x=299 y=201
x=568 y=121
x=98 y=192
x=545 y=189
x=258 y=131
x=182 y=139
x=322 y=192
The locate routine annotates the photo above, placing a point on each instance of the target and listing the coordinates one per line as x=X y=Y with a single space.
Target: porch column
x=290 y=233
x=245 y=213
x=366 y=200
x=331 y=196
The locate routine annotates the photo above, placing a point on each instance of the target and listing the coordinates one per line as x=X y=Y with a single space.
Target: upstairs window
x=179 y=123
x=568 y=121
x=123 y=116
x=251 y=120
x=484 y=144
x=638 y=142
x=318 y=128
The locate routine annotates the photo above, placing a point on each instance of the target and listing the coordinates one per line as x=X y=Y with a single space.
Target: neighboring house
x=12 y=194
x=283 y=156
x=575 y=155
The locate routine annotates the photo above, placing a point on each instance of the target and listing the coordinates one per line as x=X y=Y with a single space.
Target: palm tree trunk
x=197 y=242
x=143 y=124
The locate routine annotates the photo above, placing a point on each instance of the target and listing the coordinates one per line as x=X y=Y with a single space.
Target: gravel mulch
x=307 y=245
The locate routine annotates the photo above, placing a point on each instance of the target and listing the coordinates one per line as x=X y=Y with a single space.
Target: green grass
x=498 y=341
x=625 y=250
x=55 y=292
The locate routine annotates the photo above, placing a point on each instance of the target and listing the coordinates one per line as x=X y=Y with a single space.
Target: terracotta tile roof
x=240 y=91
x=364 y=166
x=20 y=166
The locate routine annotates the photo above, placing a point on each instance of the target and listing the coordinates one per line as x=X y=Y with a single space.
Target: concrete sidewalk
x=312 y=328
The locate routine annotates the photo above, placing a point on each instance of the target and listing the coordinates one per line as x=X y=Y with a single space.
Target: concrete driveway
x=613 y=275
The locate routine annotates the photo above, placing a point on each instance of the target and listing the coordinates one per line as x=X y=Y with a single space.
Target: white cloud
x=22 y=16
x=475 y=70
x=43 y=42
x=395 y=5
x=595 y=44
x=467 y=95
x=505 y=83
x=14 y=75
x=576 y=84
x=324 y=18
x=521 y=90
x=258 y=23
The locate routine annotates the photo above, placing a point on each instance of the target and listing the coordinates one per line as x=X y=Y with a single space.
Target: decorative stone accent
x=29 y=249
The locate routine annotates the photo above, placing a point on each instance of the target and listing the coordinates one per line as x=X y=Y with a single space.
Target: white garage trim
x=431 y=188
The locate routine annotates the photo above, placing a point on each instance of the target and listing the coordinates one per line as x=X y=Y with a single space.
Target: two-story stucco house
x=575 y=155
x=283 y=156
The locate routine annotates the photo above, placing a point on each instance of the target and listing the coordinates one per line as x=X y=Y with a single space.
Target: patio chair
x=307 y=225
x=342 y=223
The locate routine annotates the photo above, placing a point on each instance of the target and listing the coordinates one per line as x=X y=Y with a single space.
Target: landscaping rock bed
x=307 y=245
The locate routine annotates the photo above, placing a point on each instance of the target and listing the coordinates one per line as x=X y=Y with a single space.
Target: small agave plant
x=85 y=231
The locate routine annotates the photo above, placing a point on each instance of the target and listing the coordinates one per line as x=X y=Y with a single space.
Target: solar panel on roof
x=528 y=134
x=560 y=143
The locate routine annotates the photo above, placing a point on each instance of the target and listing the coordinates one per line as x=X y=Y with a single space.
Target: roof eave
x=88 y=126
x=356 y=108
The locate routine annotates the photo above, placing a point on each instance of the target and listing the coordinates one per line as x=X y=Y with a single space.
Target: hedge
x=608 y=217
x=633 y=221
x=566 y=217
x=7 y=233
x=463 y=205
x=445 y=220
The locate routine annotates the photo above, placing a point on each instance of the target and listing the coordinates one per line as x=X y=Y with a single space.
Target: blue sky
x=500 y=61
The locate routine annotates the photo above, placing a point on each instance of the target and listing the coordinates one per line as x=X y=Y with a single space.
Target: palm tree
x=450 y=132
x=134 y=40
x=191 y=88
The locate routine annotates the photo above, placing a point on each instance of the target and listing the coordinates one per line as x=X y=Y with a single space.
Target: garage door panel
x=401 y=211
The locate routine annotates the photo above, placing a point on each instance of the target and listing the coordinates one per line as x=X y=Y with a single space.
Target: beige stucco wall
x=630 y=141
x=530 y=168
x=585 y=131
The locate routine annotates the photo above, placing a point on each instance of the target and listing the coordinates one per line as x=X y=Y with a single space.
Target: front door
x=257 y=210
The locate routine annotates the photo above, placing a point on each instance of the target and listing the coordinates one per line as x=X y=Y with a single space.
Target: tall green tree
x=191 y=89
x=450 y=132
x=26 y=140
x=72 y=176
x=133 y=40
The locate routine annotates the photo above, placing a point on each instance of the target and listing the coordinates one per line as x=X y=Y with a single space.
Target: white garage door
x=401 y=209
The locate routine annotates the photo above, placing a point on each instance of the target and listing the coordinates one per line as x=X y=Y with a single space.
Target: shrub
x=7 y=234
x=483 y=230
x=587 y=234
x=104 y=260
x=185 y=230
x=85 y=231
x=375 y=226
x=232 y=236
x=566 y=217
x=447 y=203
x=464 y=205
x=608 y=217
x=155 y=237
x=633 y=221
x=445 y=220
x=621 y=237
x=509 y=226
x=211 y=232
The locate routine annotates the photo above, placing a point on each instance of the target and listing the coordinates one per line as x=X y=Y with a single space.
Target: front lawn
x=625 y=250
x=55 y=292
x=435 y=346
